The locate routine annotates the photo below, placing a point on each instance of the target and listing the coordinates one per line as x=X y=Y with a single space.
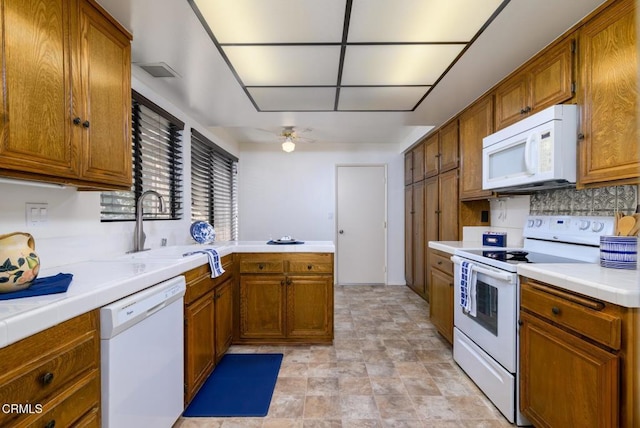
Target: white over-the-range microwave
x=536 y=153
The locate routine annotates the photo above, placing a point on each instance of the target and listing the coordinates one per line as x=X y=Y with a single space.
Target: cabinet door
x=103 y=103
x=262 y=306
x=408 y=168
x=418 y=162
x=408 y=235
x=441 y=302
x=610 y=149
x=199 y=343
x=564 y=380
x=431 y=156
x=448 y=136
x=223 y=317
x=419 y=243
x=551 y=76
x=475 y=124
x=309 y=306
x=448 y=206
x=512 y=100
x=36 y=89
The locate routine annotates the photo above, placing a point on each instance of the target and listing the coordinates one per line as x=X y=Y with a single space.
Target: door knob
x=341 y=231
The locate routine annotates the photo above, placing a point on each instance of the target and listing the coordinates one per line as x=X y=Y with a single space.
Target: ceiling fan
x=289 y=136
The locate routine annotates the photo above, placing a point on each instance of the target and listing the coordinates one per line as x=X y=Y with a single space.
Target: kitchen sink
x=175 y=252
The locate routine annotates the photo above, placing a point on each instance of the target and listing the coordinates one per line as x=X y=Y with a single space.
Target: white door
x=361 y=224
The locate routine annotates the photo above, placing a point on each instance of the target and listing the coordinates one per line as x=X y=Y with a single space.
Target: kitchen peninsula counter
x=97 y=283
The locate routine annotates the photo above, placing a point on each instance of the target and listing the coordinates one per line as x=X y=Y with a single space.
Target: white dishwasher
x=142 y=357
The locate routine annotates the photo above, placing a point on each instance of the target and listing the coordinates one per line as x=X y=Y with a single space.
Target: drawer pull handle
x=555 y=310
x=260 y=266
x=77 y=121
x=282 y=282
x=289 y=281
x=47 y=378
x=309 y=267
x=439 y=262
x=50 y=424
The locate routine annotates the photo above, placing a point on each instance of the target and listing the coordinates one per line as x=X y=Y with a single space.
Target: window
x=214 y=187
x=157 y=165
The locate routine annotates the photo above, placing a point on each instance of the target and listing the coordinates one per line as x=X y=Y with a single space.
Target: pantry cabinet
x=417 y=241
x=608 y=97
x=441 y=293
x=66 y=94
x=208 y=323
x=578 y=359
x=54 y=375
x=285 y=298
x=545 y=81
x=475 y=123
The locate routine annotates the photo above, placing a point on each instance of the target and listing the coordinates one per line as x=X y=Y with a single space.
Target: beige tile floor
x=387 y=367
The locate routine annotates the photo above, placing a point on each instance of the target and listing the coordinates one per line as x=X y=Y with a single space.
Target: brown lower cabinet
x=578 y=360
x=208 y=323
x=56 y=369
x=440 y=274
x=285 y=298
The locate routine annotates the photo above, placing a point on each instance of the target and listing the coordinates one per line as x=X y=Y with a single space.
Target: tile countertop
x=618 y=286
x=97 y=283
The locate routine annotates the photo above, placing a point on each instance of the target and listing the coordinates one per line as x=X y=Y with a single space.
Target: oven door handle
x=502 y=276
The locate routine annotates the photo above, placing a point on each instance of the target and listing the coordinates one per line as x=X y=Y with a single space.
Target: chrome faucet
x=138 y=233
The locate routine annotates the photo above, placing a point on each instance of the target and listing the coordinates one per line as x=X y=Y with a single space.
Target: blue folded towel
x=467 y=288
x=48 y=285
x=214 y=260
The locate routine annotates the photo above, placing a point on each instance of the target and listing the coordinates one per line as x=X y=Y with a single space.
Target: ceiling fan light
x=288 y=145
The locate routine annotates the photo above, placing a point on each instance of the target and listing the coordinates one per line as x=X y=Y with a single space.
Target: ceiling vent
x=158 y=69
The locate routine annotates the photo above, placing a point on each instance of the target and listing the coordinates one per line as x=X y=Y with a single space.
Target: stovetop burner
x=504 y=257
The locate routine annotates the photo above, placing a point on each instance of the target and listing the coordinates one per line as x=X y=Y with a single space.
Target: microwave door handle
x=531 y=139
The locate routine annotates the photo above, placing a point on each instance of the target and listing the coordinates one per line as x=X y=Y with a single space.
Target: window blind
x=157 y=165
x=214 y=187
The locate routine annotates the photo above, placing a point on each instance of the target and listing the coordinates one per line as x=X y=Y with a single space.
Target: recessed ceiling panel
x=380 y=98
x=274 y=21
x=397 y=64
x=284 y=52
x=418 y=20
x=285 y=65
x=293 y=99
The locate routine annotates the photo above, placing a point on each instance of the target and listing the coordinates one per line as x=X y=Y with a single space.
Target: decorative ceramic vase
x=19 y=264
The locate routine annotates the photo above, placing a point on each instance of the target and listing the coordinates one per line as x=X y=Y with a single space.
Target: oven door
x=493 y=328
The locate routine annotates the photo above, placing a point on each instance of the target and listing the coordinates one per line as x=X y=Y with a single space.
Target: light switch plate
x=36 y=214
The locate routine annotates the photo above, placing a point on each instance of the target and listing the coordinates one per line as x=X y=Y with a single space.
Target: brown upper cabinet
x=545 y=81
x=608 y=150
x=475 y=123
x=66 y=94
x=408 y=168
x=441 y=150
x=418 y=162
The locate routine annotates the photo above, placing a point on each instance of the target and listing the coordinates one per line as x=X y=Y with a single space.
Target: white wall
x=74 y=232
x=294 y=194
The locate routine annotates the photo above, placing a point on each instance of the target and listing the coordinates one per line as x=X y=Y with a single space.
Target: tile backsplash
x=602 y=201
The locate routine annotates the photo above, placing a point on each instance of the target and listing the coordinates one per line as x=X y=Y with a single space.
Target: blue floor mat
x=240 y=385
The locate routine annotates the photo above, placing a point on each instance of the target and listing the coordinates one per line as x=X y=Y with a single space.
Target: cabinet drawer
x=199 y=281
x=310 y=263
x=47 y=375
x=67 y=407
x=261 y=263
x=442 y=262
x=583 y=315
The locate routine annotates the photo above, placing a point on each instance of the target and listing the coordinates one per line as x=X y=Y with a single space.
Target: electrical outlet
x=36 y=214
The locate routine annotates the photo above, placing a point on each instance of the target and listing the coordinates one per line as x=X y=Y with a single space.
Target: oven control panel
x=573 y=229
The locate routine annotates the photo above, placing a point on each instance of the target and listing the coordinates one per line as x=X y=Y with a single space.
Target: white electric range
x=486 y=343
